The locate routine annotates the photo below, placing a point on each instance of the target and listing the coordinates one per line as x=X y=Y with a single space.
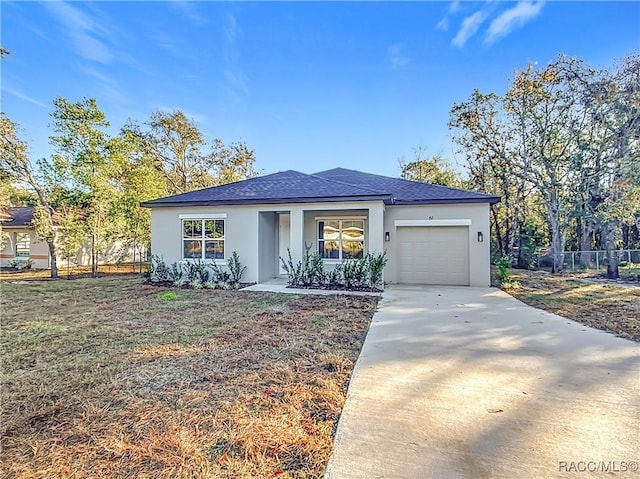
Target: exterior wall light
x=480 y=237
x=387 y=236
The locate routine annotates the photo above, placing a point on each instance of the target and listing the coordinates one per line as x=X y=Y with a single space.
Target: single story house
x=20 y=242
x=21 y=245
x=432 y=234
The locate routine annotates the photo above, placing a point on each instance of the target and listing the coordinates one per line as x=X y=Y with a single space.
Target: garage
x=433 y=255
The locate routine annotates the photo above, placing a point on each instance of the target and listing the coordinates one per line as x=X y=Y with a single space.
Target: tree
x=232 y=163
x=15 y=163
x=609 y=177
x=139 y=181
x=86 y=157
x=72 y=234
x=482 y=131
x=571 y=134
x=544 y=111
x=434 y=170
x=175 y=143
x=614 y=105
x=177 y=147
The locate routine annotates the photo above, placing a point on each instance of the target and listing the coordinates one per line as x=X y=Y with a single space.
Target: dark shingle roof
x=338 y=184
x=284 y=187
x=405 y=192
x=17 y=216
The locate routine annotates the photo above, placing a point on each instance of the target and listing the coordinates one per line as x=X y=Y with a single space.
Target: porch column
x=376 y=228
x=296 y=229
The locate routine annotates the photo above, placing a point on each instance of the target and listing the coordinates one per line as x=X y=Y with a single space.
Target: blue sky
x=308 y=85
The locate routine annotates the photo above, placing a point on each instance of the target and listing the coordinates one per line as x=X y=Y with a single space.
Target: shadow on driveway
x=471 y=383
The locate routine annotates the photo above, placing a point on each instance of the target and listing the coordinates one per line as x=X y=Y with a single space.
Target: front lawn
x=112 y=378
x=615 y=309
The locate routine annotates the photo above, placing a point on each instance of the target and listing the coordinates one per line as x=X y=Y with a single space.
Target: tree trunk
x=496 y=228
x=557 y=238
x=586 y=241
x=610 y=228
x=54 y=260
x=94 y=263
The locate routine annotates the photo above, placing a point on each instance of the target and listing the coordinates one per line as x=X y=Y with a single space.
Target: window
x=203 y=239
x=23 y=245
x=341 y=239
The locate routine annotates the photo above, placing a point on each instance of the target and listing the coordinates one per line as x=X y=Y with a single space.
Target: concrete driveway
x=471 y=383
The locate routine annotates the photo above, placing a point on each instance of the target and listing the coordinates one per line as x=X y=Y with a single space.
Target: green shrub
x=197 y=270
x=295 y=271
x=376 y=263
x=221 y=277
x=158 y=271
x=334 y=277
x=313 y=270
x=175 y=272
x=356 y=272
x=236 y=269
x=503 y=272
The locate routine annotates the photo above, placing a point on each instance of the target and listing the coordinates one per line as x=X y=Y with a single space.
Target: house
x=20 y=245
x=431 y=234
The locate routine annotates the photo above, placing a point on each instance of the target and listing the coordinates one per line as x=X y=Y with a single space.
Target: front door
x=284 y=239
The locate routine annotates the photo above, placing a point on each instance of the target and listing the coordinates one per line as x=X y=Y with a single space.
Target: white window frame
x=203 y=239
x=340 y=219
x=17 y=245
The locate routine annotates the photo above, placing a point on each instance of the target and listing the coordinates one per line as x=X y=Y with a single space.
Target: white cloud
x=469 y=27
x=443 y=24
x=398 y=60
x=512 y=19
x=83 y=31
x=233 y=73
x=190 y=11
x=26 y=98
x=455 y=6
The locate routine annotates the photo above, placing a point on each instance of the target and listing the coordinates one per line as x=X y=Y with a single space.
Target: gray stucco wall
x=267 y=253
x=241 y=233
x=253 y=236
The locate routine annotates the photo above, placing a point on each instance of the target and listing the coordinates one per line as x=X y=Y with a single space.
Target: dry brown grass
x=101 y=378
x=610 y=308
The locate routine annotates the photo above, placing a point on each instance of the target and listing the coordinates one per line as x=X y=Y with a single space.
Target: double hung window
x=203 y=239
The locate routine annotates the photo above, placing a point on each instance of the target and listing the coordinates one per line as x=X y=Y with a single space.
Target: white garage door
x=433 y=255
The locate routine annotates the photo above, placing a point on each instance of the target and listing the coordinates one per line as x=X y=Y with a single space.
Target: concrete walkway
x=471 y=383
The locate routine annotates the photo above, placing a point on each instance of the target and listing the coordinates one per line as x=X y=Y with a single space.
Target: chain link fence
x=584 y=261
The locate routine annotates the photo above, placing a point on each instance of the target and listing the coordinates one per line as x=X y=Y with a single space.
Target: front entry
x=284 y=239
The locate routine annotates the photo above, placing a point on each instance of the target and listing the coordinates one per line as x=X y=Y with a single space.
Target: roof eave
x=491 y=200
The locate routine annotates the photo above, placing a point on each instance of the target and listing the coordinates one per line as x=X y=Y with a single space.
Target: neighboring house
x=21 y=243
x=431 y=234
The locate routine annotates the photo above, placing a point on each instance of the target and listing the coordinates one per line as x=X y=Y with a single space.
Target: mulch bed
x=337 y=287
